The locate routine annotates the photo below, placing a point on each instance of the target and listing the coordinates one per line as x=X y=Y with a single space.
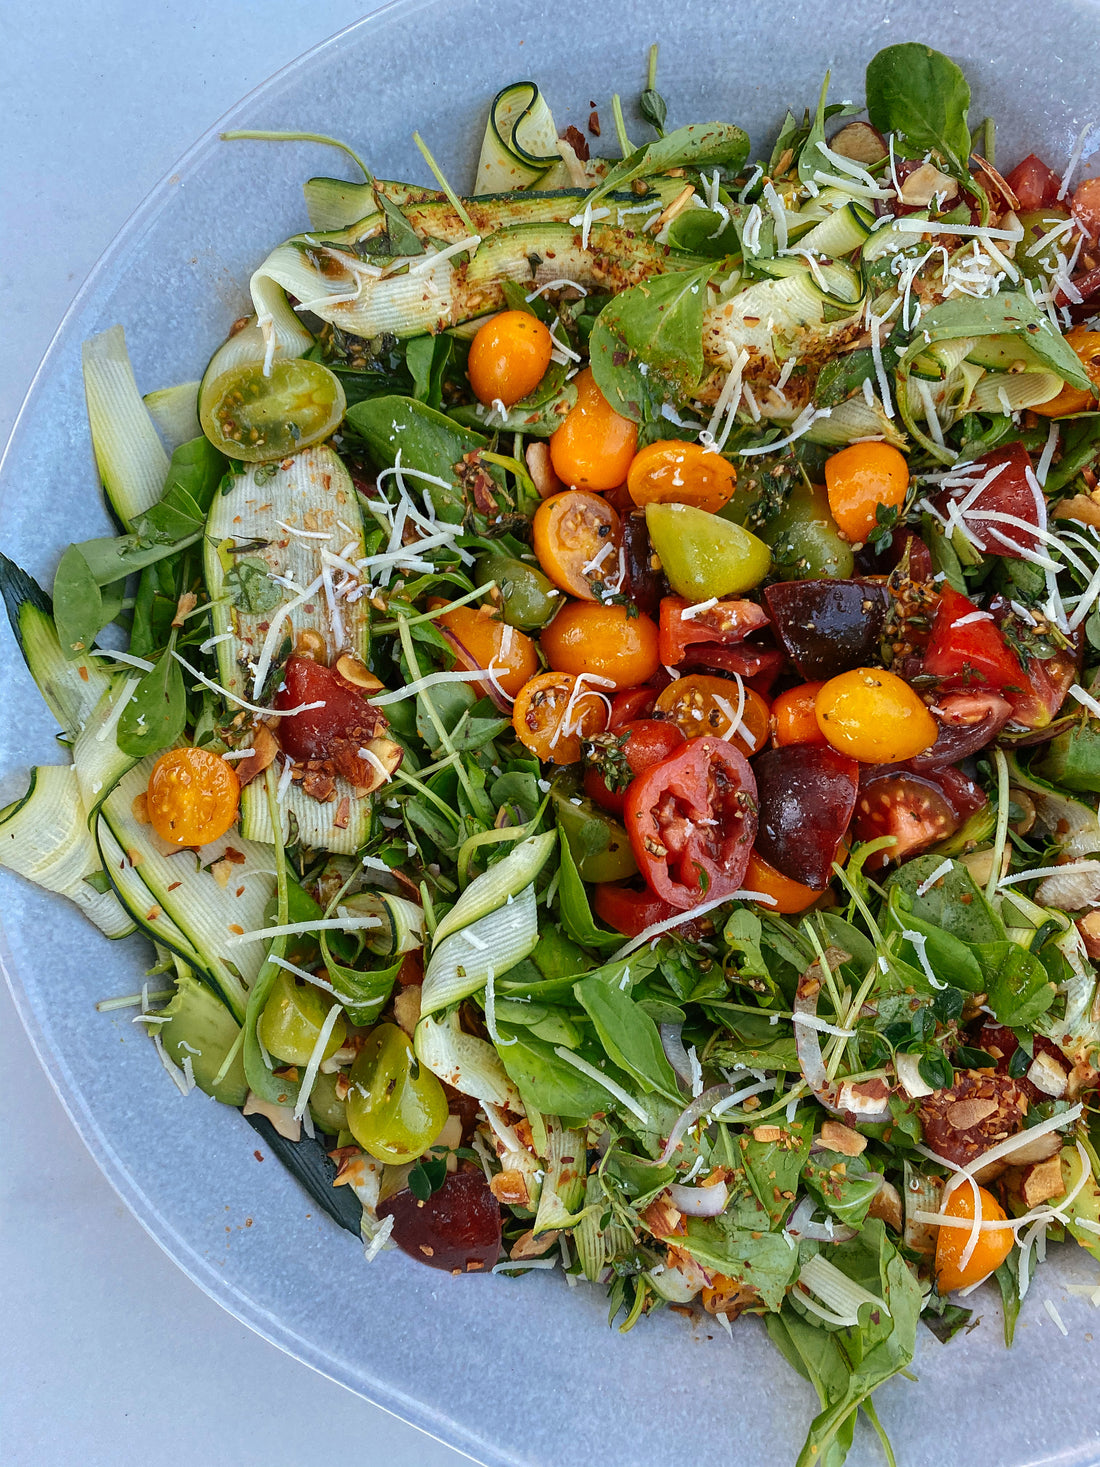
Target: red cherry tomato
x=724 y=623
x=613 y=759
x=692 y=821
x=1034 y=184
x=457 y=1228
x=970 y=651
x=1086 y=206
x=1010 y=493
x=918 y=809
x=629 y=911
x=335 y=731
x=631 y=704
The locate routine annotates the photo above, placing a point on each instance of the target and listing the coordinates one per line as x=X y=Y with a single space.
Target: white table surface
x=110 y=1356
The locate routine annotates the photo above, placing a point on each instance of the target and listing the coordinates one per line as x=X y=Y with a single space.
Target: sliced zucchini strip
x=131 y=458
x=175 y=411
x=520 y=143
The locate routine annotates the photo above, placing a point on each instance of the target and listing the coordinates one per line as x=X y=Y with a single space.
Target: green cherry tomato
x=260 y=419
x=804 y=538
x=292 y=1019
x=325 y=1106
x=598 y=842
x=395 y=1106
x=703 y=555
x=528 y=598
x=1036 y=223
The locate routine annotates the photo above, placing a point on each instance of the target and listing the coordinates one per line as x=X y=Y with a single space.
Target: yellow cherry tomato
x=577 y=537
x=508 y=357
x=873 y=716
x=603 y=640
x=551 y=717
x=702 y=704
x=481 y=639
x=593 y=447
x=192 y=796
x=858 y=479
x=671 y=472
x=1076 y=399
x=993 y=1246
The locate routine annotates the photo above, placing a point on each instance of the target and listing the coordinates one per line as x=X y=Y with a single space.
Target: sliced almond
x=406 y=1008
x=280 y=1116
x=264 y=749
x=861 y=142
x=1084 y=508
x=310 y=643
x=528 y=1246
x=389 y=756
x=139 y=808
x=926 y=183
x=542 y=470
x=886 y=1205
x=353 y=670
x=971 y=1112
x=510 y=1188
x=996 y=184
x=837 y=1137
x=1042 y=1181
x=767 y=1133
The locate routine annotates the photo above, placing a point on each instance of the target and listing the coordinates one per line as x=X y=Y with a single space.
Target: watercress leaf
x=628 y=1034
x=77 y=603
x=647 y=344
x=250 y=587
x=700 y=145
x=156 y=714
x=1018 y=988
x=922 y=94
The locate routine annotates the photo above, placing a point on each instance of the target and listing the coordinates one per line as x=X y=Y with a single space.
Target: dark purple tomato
x=458 y=1228
x=644 y=585
x=968 y=721
x=807 y=793
x=828 y=627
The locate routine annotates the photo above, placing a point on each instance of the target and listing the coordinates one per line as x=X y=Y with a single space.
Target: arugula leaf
x=156 y=714
x=700 y=145
x=810 y=157
x=647 y=344
x=922 y=94
x=628 y=1034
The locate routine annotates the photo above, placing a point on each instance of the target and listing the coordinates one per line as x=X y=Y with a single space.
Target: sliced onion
x=700 y=1201
x=808 y=1044
x=675 y=1052
x=801 y=1225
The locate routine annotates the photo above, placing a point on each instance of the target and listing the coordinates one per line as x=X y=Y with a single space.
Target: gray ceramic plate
x=510 y=1372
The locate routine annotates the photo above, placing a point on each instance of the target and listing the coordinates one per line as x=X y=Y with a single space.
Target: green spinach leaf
x=922 y=94
x=77 y=603
x=628 y=1035
x=156 y=715
x=647 y=344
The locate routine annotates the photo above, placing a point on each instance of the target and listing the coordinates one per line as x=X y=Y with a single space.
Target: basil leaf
x=77 y=603
x=700 y=145
x=922 y=94
x=156 y=715
x=628 y=1034
x=250 y=588
x=647 y=344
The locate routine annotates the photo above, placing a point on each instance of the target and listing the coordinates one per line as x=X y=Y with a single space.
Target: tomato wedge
x=1013 y=492
x=614 y=759
x=631 y=704
x=807 y=794
x=629 y=911
x=336 y=730
x=967 y=646
x=1033 y=183
x=723 y=623
x=692 y=822
x=919 y=810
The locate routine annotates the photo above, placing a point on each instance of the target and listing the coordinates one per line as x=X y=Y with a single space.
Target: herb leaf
x=647 y=344
x=77 y=603
x=922 y=94
x=250 y=588
x=700 y=145
x=157 y=713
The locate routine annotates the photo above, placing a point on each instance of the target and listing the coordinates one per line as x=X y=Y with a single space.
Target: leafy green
x=706 y=145
x=647 y=345
x=628 y=1035
x=1016 y=983
x=1073 y=759
x=546 y=1082
x=156 y=714
x=810 y=157
x=77 y=603
x=922 y=94
x=250 y=587
x=576 y=914
x=1010 y=311
x=772 y=1168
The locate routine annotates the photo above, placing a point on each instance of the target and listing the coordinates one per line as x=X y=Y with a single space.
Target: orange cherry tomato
x=551 y=717
x=1076 y=399
x=508 y=357
x=793 y=718
x=874 y=716
x=604 y=640
x=480 y=639
x=577 y=536
x=787 y=896
x=671 y=472
x=593 y=447
x=192 y=796
x=702 y=704
x=858 y=479
x=993 y=1246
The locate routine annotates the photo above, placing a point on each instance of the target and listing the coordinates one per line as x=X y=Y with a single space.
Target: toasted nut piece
x=356 y=672
x=264 y=749
x=923 y=185
x=406 y=1007
x=997 y=184
x=389 y=756
x=970 y=1112
x=1047 y=1074
x=728 y=1296
x=1089 y=928
x=139 y=809
x=1042 y=1181
x=1084 y=508
x=661 y=1217
x=528 y=1246
x=886 y=1205
x=861 y=142
x=280 y=1116
x=541 y=469
x=838 y=1137
x=510 y=1188
x=310 y=643
x=767 y=1133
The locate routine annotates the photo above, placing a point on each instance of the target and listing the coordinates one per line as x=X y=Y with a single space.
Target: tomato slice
x=968 y=721
x=578 y=538
x=970 y=650
x=334 y=732
x=807 y=795
x=631 y=704
x=692 y=822
x=699 y=704
x=262 y=417
x=1014 y=492
x=784 y=895
x=723 y=623
x=613 y=759
x=913 y=808
x=1086 y=206
x=629 y=911
x=1034 y=184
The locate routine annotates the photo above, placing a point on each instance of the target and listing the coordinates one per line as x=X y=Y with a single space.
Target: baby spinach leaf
x=772 y=1168
x=762 y=1260
x=954 y=903
x=576 y=914
x=628 y=1035
x=1016 y=982
x=922 y=94
x=428 y=358
x=949 y=957
x=77 y=603
x=156 y=715
x=546 y=1082
x=1011 y=311
x=250 y=588
x=700 y=145
x=647 y=344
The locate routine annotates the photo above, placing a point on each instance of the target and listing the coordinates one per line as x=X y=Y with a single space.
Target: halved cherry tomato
x=806 y=795
x=551 y=717
x=1076 y=399
x=604 y=640
x=1009 y=493
x=481 y=639
x=723 y=623
x=793 y=718
x=992 y=1248
x=861 y=477
x=577 y=537
x=508 y=357
x=1033 y=183
x=701 y=704
x=1086 y=206
x=261 y=416
x=631 y=704
x=968 y=721
x=335 y=731
x=968 y=647
x=787 y=896
x=1048 y=681
x=673 y=472
x=692 y=821
x=614 y=758
x=758 y=666
x=192 y=796
x=919 y=808
x=593 y=447
x=874 y=716
x=629 y=911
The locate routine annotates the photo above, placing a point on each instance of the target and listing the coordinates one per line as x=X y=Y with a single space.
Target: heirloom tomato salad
x=595 y=701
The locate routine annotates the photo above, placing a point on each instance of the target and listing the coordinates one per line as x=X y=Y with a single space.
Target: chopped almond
x=662 y=1217
x=528 y=1246
x=886 y=1206
x=406 y=1007
x=510 y=1188
x=838 y=1137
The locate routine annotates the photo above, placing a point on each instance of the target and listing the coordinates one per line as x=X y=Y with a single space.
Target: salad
x=595 y=700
